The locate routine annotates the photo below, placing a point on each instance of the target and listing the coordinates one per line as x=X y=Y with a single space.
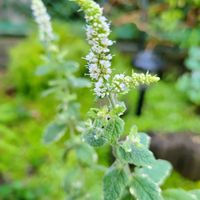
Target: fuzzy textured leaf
x=144 y=189
x=53 y=132
x=114 y=183
x=114 y=129
x=158 y=171
x=144 y=139
x=94 y=138
x=138 y=155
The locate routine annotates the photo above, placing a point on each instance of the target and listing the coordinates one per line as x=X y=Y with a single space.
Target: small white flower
x=100 y=88
x=43 y=20
x=99 y=58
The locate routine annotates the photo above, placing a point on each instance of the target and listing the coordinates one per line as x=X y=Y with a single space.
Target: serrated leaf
x=144 y=139
x=138 y=155
x=54 y=132
x=86 y=154
x=94 y=138
x=178 y=194
x=114 y=183
x=158 y=171
x=143 y=188
x=114 y=129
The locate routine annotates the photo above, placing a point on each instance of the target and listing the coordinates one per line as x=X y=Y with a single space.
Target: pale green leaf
x=158 y=171
x=114 y=183
x=42 y=70
x=144 y=189
x=69 y=67
x=53 y=132
x=144 y=139
x=138 y=155
x=86 y=154
x=178 y=194
x=196 y=194
x=79 y=82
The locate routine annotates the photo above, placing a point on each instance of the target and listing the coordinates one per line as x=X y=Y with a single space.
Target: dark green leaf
x=94 y=137
x=114 y=129
x=114 y=183
x=144 y=189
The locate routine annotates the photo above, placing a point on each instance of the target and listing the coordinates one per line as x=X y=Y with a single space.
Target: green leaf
x=79 y=82
x=114 y=129
x=138 y=155
x=144 y=139
x=178 y=194
x=158 y=171
x=54 y=132
x=86 y=154
x=144 y=189
x=69 y=67
x=94 y=137
x=196 y=194
x=73 y=180
x=114 y=183
x=43 y=70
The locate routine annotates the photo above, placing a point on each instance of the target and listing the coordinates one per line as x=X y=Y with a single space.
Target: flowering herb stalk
x=105 y=126
x=67 y=119
x=64 y=84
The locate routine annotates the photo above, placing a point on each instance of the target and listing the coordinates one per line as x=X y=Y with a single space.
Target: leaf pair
x=104 y=132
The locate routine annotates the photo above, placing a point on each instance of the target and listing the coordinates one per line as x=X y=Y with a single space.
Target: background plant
x=189 y=83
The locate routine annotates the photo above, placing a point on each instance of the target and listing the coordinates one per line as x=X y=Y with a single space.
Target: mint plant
x=135 y=173
x=105 y=125
x=189 y=83
x=65 y=82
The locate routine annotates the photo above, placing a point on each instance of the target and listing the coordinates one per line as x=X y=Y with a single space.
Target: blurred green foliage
x=24 y=59
x=176 y=21
x=189 y=83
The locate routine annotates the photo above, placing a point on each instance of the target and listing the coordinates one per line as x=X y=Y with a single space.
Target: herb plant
x=64 y=83
x=105 y=125
x=135 y=173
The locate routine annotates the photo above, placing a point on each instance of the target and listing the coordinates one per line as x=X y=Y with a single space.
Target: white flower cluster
x=122 y=84
x=99 y=58
x=43 y=20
